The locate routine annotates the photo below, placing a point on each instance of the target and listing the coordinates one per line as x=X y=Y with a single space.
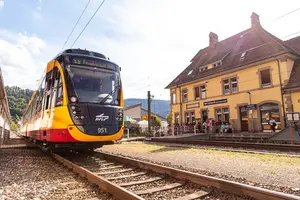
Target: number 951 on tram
x=79 y=103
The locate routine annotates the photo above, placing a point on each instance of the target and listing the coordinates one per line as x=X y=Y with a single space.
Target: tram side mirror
x=120 y=68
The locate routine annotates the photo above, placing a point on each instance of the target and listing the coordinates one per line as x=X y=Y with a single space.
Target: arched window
x=269 y=111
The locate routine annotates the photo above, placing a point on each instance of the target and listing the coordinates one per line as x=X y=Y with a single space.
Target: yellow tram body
x=49 y=117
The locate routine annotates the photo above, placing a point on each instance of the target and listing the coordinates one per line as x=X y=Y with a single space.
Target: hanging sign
x=207 y=103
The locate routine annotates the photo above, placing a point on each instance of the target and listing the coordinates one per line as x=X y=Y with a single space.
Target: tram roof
x=81 y=52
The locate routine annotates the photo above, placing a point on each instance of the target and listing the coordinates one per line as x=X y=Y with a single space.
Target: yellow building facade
x=239 y=81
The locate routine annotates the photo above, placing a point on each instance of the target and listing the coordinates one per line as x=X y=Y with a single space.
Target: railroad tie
x=114 y=172
x=192 y=196
x=112 y=167
x=106 y=164
x=158 y=189
x=68 y=183
x=126 y=176
x=93 y=198
x=76 y=191
x=141 y=182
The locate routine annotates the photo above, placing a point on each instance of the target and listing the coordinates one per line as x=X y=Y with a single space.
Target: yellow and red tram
x=79 y=103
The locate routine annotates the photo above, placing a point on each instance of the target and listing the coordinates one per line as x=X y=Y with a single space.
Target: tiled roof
x=162 y=118
x=294 y=43
x=294 y=81
x=133 y=106
x=255 y=41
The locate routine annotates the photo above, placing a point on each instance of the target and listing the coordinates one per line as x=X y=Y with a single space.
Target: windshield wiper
x=110 y=94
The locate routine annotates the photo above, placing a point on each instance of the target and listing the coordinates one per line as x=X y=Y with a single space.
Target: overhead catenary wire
x=284 y=15
x=76 y=24
x=88 y=23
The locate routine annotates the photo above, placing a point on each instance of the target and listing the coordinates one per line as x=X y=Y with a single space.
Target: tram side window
x=49 y=85
x=59 y=98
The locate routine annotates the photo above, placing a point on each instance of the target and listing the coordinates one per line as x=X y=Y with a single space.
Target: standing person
x=222 y=128
x=204 y=126
x=273 y=125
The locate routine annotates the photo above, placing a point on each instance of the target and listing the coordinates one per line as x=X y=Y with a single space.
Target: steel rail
x=105 y=185
x=281 y=147
x=227 y=186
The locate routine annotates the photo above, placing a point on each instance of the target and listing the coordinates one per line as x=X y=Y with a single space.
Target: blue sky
x=152 y=41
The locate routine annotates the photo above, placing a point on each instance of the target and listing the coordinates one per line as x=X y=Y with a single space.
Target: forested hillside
x=17 y=100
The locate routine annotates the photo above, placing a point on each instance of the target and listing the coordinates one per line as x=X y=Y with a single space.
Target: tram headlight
x=120 y=112
x=73 y=99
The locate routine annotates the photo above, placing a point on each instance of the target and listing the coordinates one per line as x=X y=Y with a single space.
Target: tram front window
x=93 y=85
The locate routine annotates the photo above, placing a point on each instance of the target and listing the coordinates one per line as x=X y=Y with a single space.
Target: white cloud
x=1 y=4
x=153 y=41
x=22 y=59
x=157 y=39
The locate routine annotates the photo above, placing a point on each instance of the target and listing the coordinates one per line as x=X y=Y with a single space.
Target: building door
x=244 y=119
x=204 y=115
x=270 y=111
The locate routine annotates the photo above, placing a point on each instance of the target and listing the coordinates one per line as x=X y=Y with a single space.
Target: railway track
x=236 y=144
x=28 y=173
x=128 y=178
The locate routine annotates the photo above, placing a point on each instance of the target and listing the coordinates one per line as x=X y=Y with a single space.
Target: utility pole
x=149 y=112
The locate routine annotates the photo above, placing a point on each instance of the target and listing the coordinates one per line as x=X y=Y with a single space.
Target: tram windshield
x=94 y=85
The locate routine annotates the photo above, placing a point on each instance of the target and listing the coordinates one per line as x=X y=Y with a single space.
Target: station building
x=4 y=112
x=246 y=80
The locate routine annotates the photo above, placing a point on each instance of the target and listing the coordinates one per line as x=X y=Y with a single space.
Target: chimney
x=213 y=39
x=255 y=20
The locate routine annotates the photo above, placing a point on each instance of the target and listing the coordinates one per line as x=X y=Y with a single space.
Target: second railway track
x=233 y=144
x=128 y=178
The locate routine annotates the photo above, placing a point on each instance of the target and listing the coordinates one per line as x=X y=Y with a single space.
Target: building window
x=219 y=115
x=230 y=85
x=176 y=118
x=222 y=115
x=234 y=87
x=173 y=98
x=265 y=78
x=217 y=64
x=200 y=92
x=185 y=95
x=203 y=91
x=197 y=93
x=201 y=69
x=187 y=118
x=190 y=117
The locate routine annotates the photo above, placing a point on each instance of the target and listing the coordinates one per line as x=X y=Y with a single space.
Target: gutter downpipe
x=282 y=100
x=180 y=103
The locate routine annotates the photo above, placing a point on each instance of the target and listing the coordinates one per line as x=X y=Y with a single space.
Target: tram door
x=48 y=98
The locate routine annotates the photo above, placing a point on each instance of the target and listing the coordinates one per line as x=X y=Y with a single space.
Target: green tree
x=169 y=119
x=17 y=100
x=14 y=126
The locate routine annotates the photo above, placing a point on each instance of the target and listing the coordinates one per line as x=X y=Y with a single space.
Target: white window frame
x=230 y=83
x=202 y=91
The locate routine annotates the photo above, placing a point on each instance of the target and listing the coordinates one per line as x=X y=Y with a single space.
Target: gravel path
x=30 y=174
x=280 y=173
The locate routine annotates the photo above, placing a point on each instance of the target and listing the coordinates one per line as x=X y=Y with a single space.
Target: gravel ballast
x=31 y=174
x=280 y=173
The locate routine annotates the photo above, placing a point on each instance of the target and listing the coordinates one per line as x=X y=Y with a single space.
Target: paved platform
x=285 y=135
x=225 y=135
